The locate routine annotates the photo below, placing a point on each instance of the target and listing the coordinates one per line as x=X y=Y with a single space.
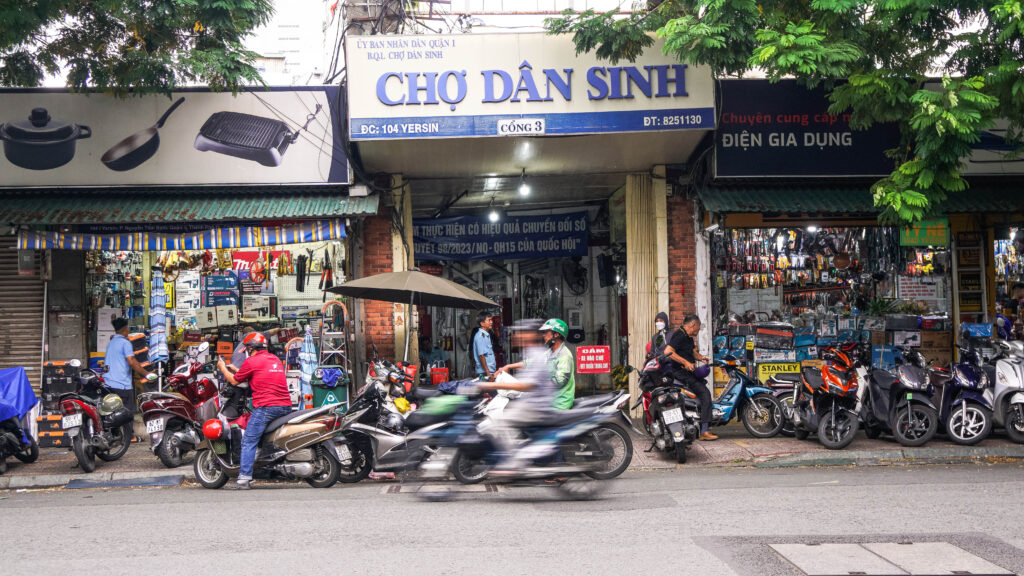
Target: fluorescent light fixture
x=524 y=188
x=493 y=215
x=812 y=228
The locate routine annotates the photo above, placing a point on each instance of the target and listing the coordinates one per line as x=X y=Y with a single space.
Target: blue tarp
x=16 y=395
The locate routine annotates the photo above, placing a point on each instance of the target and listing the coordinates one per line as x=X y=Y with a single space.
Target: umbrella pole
x=408 y=328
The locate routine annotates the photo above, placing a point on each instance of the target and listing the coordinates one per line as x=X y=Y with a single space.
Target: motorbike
x=174 y=417
x=95 y=419
x=755 y=405
x=580 y=436
x=296 y=446
x=826 y=400
x=900 y=403
x=670 y=411
x=1008 y=390
x=965 y=398
x=16 y=402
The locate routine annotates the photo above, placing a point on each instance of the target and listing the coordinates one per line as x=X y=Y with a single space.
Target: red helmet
x=255 y=340
x=213 y=429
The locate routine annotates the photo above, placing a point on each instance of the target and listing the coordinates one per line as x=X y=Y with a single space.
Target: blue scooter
x=16 y=402
x=755 y=405
x=965 y=408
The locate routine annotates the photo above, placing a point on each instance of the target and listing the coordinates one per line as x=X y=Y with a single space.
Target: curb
x=905 y=456
x=61 y=480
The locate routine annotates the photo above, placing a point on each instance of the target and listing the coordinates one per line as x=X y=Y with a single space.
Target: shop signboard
x=785 y=130
x=766 y=371
x=593 y=359
x=926 y=233
x=512 y=237
x=479 y=85
x=287 y=135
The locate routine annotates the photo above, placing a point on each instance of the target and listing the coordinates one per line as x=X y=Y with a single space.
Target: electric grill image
x=245 y=136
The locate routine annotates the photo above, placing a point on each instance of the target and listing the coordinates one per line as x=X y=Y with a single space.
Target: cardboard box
x=225 y=347
x=105 y=318
x=873 y=323
x=910 y=338
x=878 y=338
x=937 y=339
x=220 y=298
x=227 y=315
x=206 y=318
x=765 y=371
x=937 y=356
x=765 y=356
x=884 y=357
x=220 y=281
x=848 y=323
x=813 y=363
x=102 y=339
x=258 y=306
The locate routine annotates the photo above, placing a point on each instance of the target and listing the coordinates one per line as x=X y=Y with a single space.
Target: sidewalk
x=735 y=447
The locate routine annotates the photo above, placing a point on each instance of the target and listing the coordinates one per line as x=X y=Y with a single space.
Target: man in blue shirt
x=483 y=351
x=121 y=363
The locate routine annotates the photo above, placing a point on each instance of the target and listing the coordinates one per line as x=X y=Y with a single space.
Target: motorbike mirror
x=203 y=347
x=76 y=363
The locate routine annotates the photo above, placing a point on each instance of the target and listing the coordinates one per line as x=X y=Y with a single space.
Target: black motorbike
x=900 y=403
x=670 y=411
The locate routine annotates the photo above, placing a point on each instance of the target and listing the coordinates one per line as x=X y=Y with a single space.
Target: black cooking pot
x=41 y=143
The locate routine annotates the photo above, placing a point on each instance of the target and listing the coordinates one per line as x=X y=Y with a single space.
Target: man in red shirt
x=270 y=398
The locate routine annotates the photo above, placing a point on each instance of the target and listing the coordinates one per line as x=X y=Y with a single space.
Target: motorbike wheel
x=84 y=453
x=836 y=430
x=786 y=403
x=770 y=420
x=680 y=453
x=327 y=470
x=615 y=449
x=927 y=424
x=801 y=433
x=872 y=431
x=1015 y=423
x=359 y=468
x=582 y=487
x=168 y=453
x=208 y=470
x=469 y=470
x=125 y=432
x=969 y=430
x=30 y=454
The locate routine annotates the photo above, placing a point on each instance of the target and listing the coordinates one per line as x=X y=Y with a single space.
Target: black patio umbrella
x=416 y=289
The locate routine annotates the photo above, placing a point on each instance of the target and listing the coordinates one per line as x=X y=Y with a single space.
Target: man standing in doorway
x=483 y=350
x=121 y=364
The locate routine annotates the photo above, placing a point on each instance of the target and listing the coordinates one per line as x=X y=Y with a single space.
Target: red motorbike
x=96 y=420
x=174 y=417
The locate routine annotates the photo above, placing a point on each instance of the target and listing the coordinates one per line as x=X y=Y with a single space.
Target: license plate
x=343 y=452
x=71 y=421
x=154 y=426
x=672 y=415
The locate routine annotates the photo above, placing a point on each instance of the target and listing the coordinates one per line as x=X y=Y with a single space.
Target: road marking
x=823 y=483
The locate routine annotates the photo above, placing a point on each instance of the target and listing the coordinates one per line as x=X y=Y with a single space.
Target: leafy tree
x=123 y=46
x=872 y=57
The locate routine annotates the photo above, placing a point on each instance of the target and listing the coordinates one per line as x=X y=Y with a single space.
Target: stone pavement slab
x=934 y=559
x=836 y=560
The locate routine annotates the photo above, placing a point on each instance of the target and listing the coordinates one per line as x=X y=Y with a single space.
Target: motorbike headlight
x=674 y=396
x=910 y=383
x=983 y=383
x=662 y=398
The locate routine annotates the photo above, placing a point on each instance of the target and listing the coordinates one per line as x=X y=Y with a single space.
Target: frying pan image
x=129 y=153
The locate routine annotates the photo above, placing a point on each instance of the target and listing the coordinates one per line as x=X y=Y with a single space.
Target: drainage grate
x=886 y=559
x=453 y=488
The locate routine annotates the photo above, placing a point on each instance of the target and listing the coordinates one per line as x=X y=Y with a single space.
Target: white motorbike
x=1008 y=403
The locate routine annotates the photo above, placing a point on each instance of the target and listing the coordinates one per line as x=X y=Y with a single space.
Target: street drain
x=886 y=559
x=452 y=488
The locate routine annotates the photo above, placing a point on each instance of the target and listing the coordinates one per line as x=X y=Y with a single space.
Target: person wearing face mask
x=682 y=350
x=660 y=338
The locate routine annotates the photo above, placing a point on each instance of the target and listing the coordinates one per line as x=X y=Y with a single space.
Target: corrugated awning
x=849 y=199
x=192 y=205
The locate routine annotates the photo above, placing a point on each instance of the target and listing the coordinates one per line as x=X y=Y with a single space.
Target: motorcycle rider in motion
x=270 y=398
x=682 y=350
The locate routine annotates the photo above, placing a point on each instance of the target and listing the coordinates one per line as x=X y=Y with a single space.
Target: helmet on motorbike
x=702 y=371
x=110 y=403
x=255 y=340
x=213 y=429
x=393 y=421
x=557 y=326
x=88 y=379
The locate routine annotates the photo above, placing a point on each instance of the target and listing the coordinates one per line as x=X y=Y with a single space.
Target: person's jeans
x=699 y=388
x=258 y=422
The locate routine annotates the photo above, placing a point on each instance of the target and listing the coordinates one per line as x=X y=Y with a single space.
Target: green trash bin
x=323 y=395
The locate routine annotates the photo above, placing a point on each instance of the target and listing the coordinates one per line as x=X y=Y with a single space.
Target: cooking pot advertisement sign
x=261 y=136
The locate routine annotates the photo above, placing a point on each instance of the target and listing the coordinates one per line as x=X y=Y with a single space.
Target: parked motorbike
x=755 y=405
x=784 y=384
x=16 y=402
x=670 y=411
x=96 y=420
x=1008 y=393
x=174 y=417
x=581 y=436
x=826 y=400
x=296 y=446
x=900 y=403
x=965 y=401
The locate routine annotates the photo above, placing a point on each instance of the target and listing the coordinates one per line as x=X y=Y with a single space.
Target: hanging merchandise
x=327 y=274
x=301 y=263
x=258 y=270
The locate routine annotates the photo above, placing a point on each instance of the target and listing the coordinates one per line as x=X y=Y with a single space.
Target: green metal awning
x=849 y=199
x=193 y=205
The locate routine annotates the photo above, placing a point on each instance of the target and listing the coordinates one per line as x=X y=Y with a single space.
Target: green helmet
x=111 y=403
x=557 y=326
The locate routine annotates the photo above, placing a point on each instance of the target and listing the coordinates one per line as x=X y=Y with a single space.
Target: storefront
x=539 y=177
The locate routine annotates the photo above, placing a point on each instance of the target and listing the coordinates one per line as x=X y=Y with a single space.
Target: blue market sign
x=511 y=238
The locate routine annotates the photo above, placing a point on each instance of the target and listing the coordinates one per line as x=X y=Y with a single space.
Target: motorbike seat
x=282 y=420
x=789 y=379
x=420 y=419
x=422 y=393
x=591 y=401
x=813 y=378
x=556 y=418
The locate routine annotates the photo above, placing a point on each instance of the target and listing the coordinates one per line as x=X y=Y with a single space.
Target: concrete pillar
x=641 y=271
x=402 y=259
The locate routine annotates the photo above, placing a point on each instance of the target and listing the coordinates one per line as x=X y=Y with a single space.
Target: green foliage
x=130 y=47
x=873 y=56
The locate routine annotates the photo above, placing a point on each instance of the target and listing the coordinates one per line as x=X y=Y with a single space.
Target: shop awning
x=849 y=199
x=191 y=205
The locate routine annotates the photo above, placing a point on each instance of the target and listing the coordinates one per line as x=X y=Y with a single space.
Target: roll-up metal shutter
x=21 y=313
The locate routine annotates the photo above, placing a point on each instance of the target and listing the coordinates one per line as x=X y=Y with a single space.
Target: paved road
x=698 y=521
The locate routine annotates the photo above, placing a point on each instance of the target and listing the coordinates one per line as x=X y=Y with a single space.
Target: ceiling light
x=524 y=188
x=493 y=216
x=812 y=228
